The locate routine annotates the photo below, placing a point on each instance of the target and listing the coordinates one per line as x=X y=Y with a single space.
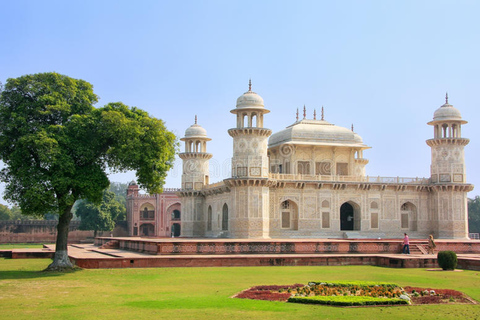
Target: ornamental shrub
x=347 y=301
x=447 y=260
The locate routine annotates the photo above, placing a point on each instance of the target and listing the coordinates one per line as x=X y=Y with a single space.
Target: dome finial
x=304 y=112
x=446 y=98
x=314 y=114
x=195 y=119
x=352 y=127
x=322 y=114
x=297 y=114
x=249 y=84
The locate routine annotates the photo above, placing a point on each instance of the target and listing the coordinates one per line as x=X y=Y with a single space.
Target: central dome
x=316 y=132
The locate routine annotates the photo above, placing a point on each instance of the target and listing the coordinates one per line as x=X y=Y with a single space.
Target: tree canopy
x=57 y=147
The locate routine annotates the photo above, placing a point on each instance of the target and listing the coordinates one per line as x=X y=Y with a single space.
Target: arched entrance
x=176 y=229
x=147 y=212
x=289 y=215
x=225 y=217
x=408 y=216
x=209 y=218
x=176 y=215
x=349 y=217
x=346 y=217
x=146 y=230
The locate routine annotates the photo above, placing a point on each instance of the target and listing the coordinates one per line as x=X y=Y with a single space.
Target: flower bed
x=436 y=296
x=271 y=293
x=354 y=294
x=383 y=290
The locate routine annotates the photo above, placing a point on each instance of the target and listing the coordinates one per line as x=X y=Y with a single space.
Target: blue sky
x=383 y=66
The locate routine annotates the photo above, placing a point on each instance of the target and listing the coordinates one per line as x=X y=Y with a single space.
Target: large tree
x=100 y=217
x=57 y=147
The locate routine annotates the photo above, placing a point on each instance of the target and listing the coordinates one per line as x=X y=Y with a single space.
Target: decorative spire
x=195 y=119
x=314 y=114
x=446 y=98
x=322 y=114
x=352 y=127
x=297 y=114
x=304 y=112
x=249 y=85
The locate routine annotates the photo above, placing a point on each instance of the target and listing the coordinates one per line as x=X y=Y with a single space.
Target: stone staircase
x=112 y=244
x=359 y=235
x=352 y=235
x=418 y=248
x=223 y=235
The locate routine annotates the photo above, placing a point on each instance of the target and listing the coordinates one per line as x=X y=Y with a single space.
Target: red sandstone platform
x=154 y=253
x=181 y=252
x=191 y=246
x=30 y=253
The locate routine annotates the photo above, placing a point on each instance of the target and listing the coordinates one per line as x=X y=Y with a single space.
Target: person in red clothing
x=406 y=244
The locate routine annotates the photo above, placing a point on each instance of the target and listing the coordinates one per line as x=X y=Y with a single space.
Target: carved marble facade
x=309 y=181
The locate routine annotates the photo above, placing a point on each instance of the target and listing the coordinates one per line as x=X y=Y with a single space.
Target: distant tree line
x=13 y=213
x=103 y=216
x=474 y=215
x=100 y=217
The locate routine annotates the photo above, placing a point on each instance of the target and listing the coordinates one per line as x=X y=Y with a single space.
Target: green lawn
x=20 y=245
x=204 y=293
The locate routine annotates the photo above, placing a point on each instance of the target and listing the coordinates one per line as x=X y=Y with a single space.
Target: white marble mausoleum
x=309 y=181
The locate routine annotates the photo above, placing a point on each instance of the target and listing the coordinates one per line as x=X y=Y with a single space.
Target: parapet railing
x=215 y=185
x=341 y=178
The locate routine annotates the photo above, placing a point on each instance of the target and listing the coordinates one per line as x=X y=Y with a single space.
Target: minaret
x=250 y=216
x=133 y=217
x=448 y=174
x=194 y=178
x=448 y=163
x=249 y=137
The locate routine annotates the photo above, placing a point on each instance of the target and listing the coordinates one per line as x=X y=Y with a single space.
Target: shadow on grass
x=27 y=274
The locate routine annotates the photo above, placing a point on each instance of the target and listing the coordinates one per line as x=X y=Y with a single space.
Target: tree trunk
x=61 y=261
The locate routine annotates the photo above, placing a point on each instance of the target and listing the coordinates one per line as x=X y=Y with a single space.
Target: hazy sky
x=383 y=66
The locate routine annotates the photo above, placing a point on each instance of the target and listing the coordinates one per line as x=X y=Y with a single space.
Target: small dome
x=249 y=99
x=132 y=183
x=316 y=132
x=195 y=131
x=447 y=112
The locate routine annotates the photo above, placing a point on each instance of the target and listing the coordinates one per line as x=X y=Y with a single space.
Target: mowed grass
x=7 y=246
x=205 y=293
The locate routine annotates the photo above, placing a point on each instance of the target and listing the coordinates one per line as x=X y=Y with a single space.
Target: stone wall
x=45 y=231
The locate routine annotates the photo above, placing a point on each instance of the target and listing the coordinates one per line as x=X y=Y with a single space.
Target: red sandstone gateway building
x=157 y=215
